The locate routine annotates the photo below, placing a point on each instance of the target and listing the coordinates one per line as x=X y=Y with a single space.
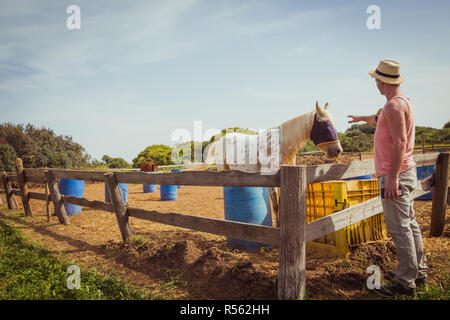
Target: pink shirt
x=383 y=143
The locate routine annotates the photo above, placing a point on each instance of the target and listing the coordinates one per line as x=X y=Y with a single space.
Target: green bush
x=115 y=163
x=7 y=157
x=41 y=147
x=159 y=154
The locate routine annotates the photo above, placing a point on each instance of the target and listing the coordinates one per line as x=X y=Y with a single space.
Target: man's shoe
x=395 y=290
x=391 y=275
x=419 y=281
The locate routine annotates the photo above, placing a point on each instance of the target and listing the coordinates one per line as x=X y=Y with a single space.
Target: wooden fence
x=292 y=235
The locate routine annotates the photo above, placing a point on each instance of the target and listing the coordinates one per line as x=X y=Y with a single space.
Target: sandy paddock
x=177 y=263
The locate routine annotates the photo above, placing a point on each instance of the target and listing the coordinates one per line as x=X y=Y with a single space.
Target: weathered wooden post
x=118 y=205
x=292 y=244
x=58 y=202
x=47 y=204
x=23 y=187
x=423 y=144
x=440 y=193
x=10 y=200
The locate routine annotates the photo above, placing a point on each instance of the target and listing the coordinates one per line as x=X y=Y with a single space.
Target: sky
x=137 y=71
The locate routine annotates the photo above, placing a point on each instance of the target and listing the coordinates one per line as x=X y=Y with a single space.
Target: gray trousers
x=402 y=225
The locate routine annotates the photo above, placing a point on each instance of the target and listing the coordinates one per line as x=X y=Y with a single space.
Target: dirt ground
x=176 y=263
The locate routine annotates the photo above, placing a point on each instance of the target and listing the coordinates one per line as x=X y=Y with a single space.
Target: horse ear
x=326 y=106
x=318 y=108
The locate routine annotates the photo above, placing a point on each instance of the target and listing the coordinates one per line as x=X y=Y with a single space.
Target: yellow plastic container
x=324 y=198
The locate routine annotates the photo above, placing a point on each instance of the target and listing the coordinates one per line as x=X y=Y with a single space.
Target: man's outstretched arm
x=369 y=119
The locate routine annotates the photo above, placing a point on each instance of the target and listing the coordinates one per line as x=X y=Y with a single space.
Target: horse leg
x=274 y=200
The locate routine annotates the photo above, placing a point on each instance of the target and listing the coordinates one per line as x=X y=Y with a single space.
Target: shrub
x=7 y=157
x=159 y=154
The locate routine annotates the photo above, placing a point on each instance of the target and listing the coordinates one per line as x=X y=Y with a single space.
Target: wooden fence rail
x=290 y=237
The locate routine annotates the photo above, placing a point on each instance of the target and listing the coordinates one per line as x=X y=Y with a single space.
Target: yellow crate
x=324 y=198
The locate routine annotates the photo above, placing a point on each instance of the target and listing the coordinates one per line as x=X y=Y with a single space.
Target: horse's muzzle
x=334 y=151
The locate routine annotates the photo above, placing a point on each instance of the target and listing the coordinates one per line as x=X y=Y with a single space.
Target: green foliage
x=7 y=157
x=115 y=163
x=42 y=147
x=366 y=128
x=359 y=137
x=194 y=147
x=159 y=154
x=231 y=130
x=447 y=125
x=27 y=271
x=356 y=141
x=308 y=147
x=431 y=135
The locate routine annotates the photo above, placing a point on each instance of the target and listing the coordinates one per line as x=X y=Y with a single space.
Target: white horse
x=255 y=153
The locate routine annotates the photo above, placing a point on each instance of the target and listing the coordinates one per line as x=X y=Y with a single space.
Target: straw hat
x=388 y=71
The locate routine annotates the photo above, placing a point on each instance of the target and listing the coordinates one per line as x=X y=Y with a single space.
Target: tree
x=366 y=128
x=159 y=154
x=7 y=157
x=447 y=125
x=115 y=163
x=41 y=147
x=231 y=130
x=308 y=147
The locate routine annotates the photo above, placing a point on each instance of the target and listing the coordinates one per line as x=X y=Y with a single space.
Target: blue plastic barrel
x=168 y=192
x=366 y=177
x=123 y=188
x=70 y=187
x=177 y=170
x=249 y=205
x=422 y=173
x=150 y=187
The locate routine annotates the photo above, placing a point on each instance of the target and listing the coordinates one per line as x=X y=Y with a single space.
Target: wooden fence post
x=118 y=205
x=292 y=244
x=58 y=203
x=23 y=187
x=440 y=192
x=8 y=193
x=423 y=144
x=47 y=205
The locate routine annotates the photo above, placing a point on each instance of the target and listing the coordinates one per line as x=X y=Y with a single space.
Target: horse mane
x=295 y=132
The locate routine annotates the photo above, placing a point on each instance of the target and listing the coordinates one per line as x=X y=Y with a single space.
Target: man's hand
x=391 y=188
x=354 y=118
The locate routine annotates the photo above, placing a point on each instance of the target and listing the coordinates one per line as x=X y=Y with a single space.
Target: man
x=397 y=178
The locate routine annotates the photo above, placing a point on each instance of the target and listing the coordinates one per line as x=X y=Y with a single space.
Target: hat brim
x=385 y=79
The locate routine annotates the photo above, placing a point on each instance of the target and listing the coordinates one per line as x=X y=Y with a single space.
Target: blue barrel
x=249 y=205
x=69 y=187
x=123 y=188
x=150 y=187
x=366 y=177
x=177 y=170
x=422 y=173
x=168 y=192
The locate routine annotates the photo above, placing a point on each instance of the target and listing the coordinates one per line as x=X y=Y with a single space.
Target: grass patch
x=28 y=271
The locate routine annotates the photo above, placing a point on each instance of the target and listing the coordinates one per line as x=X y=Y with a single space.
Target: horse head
x=324 y=134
